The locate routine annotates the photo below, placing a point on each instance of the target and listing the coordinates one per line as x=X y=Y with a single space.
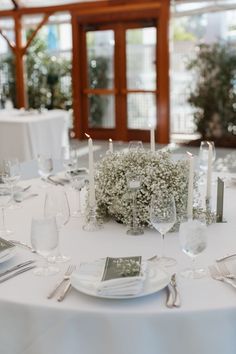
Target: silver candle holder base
x=92 y=223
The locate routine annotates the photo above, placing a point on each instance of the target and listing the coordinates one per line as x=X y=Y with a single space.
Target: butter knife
x=16 y=267
x=17 y=273
x=64 y=292
x=177 y=300
x=170 y=296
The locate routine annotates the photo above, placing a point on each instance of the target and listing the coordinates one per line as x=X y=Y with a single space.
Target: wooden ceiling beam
x=40 y=25
x=11 y=45
x=15 y=3
x=75 y=7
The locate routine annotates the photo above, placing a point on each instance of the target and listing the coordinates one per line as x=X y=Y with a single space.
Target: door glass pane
x=141 y=58
x=101 y=111
x=141 y=110
x=100 y=53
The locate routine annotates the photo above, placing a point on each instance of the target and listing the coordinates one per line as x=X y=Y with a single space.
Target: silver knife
x=177 y=301
x=16 y=267
x=170 y=296
x=64 y=291
x=17 y=273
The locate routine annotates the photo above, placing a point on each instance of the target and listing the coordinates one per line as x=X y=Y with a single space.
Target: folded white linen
x=90 y=275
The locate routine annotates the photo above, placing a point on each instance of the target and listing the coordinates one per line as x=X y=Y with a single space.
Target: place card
x=122 y=267
x=220 y=200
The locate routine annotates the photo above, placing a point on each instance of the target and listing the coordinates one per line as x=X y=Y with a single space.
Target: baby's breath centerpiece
x=157 y=171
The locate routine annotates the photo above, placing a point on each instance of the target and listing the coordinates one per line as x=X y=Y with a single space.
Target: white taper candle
x=190 y=186
x=209 y=171
x=92 y=200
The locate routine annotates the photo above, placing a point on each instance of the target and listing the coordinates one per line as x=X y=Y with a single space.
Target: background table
x=31 y=324
x=26 y=134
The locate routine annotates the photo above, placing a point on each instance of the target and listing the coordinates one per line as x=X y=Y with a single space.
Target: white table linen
x=31 y=324
x=26 y=134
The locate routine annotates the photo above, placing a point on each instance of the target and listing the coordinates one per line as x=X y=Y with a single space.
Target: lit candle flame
x=88 y=136
x=189 y=154
x=110 y=140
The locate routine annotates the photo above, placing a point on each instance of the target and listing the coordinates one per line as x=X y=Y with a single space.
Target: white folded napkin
x=90 y=275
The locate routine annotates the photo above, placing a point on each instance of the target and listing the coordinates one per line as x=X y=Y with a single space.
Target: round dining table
x=26 y=134
x=30 y=323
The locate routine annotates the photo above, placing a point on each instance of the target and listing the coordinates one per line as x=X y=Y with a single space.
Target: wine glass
x=135 y=145
x=45 y=166
x=69 y=158
x=11 y=174
x=134 y=184
x=56 y=204
x=163 y=218
x=78 y=183
x=5 y=200
x=193 y=241
x=44 y=240
x=203 y=155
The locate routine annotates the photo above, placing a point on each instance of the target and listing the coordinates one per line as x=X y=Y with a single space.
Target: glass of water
x=193 y=241
x=203 y=155
x=163 y=218
x=44 y=240
x=45 y=166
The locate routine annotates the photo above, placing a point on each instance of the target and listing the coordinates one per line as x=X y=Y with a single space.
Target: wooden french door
x=119 y=93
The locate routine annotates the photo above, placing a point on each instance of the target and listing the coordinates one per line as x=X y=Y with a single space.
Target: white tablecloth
x=31 y=324
x=26 y=134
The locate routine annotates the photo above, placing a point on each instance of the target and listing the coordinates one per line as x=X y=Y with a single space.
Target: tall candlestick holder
x=92 y=223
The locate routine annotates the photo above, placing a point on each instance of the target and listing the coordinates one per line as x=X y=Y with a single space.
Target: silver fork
x=66 y=277
x=215 y=274
x=225 y=271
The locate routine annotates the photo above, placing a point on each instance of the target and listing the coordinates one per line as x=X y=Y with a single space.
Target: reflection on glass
x=141 y=58
x=100 y=52
x=141 y=110
x=101 y=111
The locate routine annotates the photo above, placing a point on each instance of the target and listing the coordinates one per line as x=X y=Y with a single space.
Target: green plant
x=98 y=79
x=214 y=95
x=44 y=75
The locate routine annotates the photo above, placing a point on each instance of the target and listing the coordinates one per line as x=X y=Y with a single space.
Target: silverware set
x=222 y=273
x=16 y=270
x=62 y=288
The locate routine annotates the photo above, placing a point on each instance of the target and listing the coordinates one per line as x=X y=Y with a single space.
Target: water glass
x=163 y=218
x=135 y=145
x=78 y=183
x=45 y=166
x=56 y=205
x=193 y=241
x=44 y=239
x=5 y=200
x=203 y=155
x=11 y=174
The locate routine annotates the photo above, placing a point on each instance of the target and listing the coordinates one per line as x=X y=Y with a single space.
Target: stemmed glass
x=56 y=204
x=135 y=145
x=163 y=218
x=134 y=184
x=193 y=241
x=11 y=174
x=44 y=240
x=45 y=166
x=5 y=199
x=69 y=158
x=203 y=157
x=78 y=183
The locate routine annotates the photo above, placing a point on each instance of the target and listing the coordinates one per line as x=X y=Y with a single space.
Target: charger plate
x=156 y=279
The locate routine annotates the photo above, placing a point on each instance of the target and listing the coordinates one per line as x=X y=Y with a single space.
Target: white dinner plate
x=8 y=256
x=156 y=280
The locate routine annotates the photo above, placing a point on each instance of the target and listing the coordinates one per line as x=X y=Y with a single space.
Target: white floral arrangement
x=157 y=171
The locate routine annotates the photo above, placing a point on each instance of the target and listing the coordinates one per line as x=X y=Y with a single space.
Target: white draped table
x=26 y=134
x=31 y=324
